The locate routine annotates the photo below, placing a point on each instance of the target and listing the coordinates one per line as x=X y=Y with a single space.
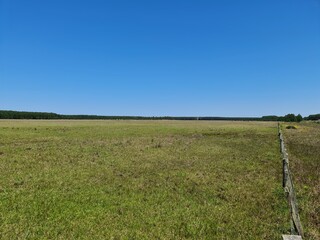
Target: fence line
x=296 y=227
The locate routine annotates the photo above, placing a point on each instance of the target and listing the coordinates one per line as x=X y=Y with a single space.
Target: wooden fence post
x=296 y=227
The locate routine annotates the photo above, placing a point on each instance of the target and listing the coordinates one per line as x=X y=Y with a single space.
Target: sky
x=161 y=57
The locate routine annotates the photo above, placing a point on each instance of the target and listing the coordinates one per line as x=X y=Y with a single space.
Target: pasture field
x=303 y=146
x=145 y=180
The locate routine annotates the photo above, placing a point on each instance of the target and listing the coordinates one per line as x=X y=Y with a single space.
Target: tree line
x=292 y=118
x=287 y=118
x=46 y=115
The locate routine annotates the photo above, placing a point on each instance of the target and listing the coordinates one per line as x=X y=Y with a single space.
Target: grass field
x=304 y=153
x=141 y=180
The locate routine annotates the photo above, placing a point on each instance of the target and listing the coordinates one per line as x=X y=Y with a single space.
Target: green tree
x=290 y=117
x=299 y=118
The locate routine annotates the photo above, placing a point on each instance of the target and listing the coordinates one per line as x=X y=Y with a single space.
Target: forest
x=6 y=114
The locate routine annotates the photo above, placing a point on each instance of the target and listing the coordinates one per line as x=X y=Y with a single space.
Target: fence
x=296 y=227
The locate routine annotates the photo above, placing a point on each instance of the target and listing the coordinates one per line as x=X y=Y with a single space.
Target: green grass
x=304 y=155
x=140 y=180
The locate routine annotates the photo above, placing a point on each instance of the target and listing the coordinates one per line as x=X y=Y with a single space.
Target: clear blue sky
x=155 y=58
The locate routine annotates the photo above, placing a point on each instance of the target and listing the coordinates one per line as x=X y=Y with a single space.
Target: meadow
x=303 y=144
x=143 y=180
